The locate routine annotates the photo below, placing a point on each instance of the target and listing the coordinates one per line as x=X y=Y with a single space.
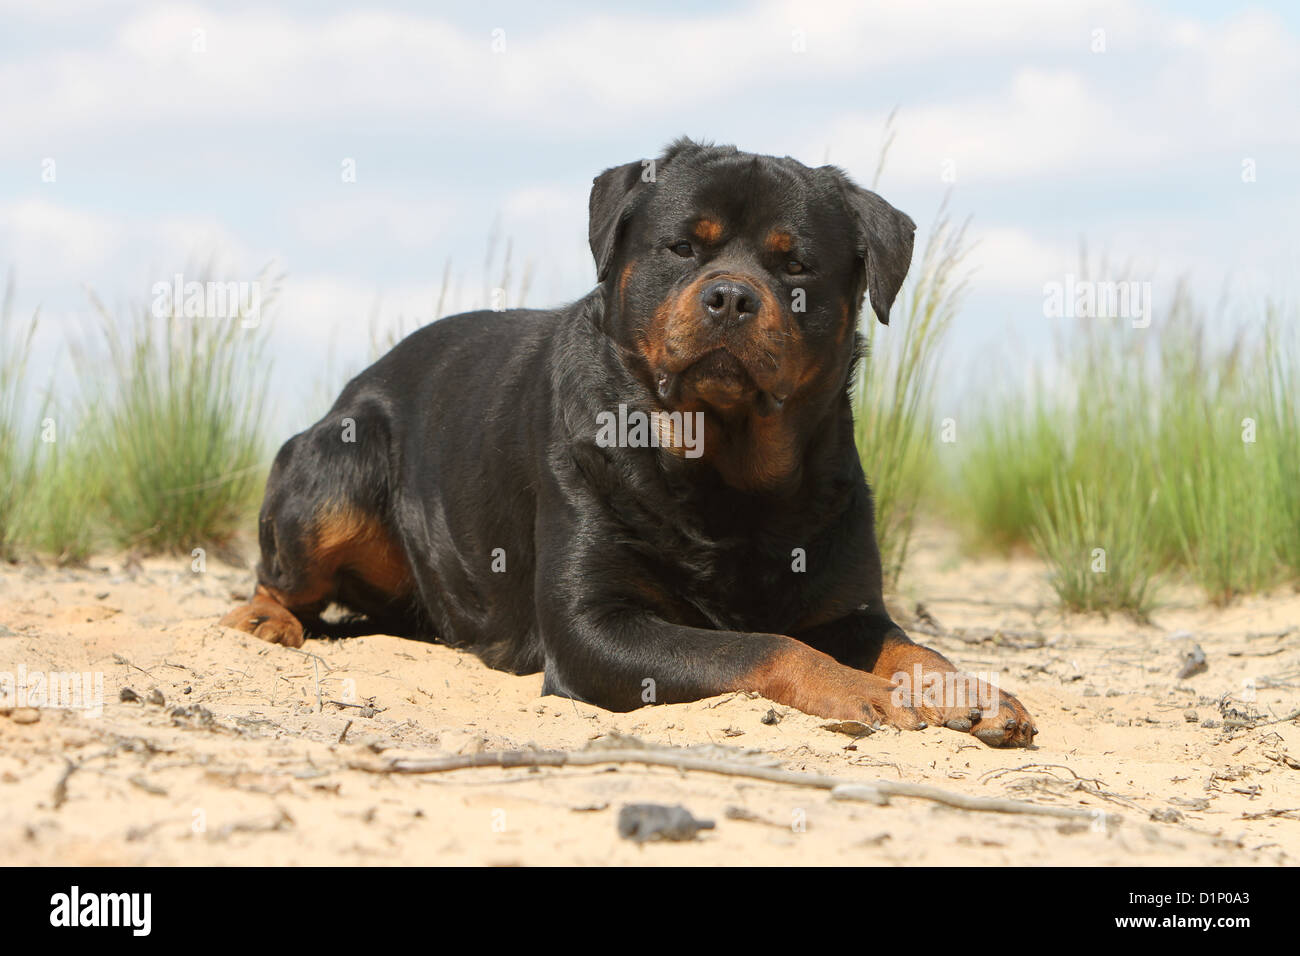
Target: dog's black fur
x=475 y=504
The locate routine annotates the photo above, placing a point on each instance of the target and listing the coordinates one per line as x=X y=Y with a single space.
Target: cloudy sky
x=142 y=139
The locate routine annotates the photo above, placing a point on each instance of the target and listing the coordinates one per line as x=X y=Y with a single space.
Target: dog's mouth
x=718 y=379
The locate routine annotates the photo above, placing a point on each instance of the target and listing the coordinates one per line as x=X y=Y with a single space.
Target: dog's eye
x=794 y=267
x=683 y=249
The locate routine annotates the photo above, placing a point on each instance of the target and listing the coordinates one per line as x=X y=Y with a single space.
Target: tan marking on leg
x=801 y=677
x=349 y=539
x=266 y=617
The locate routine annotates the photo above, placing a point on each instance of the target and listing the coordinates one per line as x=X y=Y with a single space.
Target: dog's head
x=733 y=284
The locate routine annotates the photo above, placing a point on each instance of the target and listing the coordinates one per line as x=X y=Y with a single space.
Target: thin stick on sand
x=876 y=791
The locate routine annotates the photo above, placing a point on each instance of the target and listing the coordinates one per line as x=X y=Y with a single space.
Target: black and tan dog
x=469 y=486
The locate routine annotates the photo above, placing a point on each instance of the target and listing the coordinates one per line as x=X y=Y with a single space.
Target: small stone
x=859 y=791
x=642 y=822
x=156 y=698
x=1194 y=662
x=1191 y=716
x=851 y=728
x=128 y=696
x=25 y=715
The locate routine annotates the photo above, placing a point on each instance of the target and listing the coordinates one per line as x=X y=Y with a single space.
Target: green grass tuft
x=894 y=411
x=1096 y=550
x=1173 y=452
x=180 y=440
x=65 y=514
x=17 y=458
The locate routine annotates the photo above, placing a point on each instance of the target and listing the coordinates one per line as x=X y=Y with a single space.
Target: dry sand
x=242 y=762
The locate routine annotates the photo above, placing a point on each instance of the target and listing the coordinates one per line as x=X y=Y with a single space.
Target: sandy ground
x=244 y=753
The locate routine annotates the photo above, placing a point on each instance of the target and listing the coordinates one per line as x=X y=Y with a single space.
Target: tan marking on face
x=667 y=424
x=778 y=357
x=651 y=341
x=774 y=349
x=778 y=241
x=775 y=450
x=624 y=277
x=708 y=230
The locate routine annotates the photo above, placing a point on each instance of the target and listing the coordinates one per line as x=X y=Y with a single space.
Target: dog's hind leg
x=266 y=617
x=323 y=538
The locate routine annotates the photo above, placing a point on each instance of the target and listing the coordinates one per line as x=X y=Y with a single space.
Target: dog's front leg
x=625 y=660
x=940 y=692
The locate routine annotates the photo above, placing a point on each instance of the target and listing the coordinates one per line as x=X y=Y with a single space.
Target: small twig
x=122 y=660
x=1271 y=635
x=994 y=774
x=315 y=657
x=984 y=602
x=661 y=758
x=344 y=732
x=280 y=821
x=61 y=787
x=1280 y=720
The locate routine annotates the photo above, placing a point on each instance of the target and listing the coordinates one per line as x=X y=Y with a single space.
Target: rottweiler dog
x=651 y=495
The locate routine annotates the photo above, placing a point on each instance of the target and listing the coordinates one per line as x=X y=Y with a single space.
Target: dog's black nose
x=730 y=301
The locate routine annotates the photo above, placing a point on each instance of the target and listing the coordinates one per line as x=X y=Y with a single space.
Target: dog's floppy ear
x=884 y=243
x=608 y=209
x=614 y=193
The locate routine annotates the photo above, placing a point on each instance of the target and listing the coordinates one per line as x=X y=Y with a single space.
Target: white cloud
x=367 y=219
x=260 y=64
x=1044 y=123
x=1007 y=91
x=54 y=245
x=1010 y=258
x=44 y=239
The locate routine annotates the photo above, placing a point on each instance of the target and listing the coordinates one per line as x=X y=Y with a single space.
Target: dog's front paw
x=881 y=704
x=1006 y=724
x=981 y=709
x=950 y=698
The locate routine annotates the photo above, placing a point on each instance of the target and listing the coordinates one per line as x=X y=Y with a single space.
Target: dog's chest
x=744 y=582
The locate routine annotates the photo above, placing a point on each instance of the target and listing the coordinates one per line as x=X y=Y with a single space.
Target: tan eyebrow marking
x=708 y=230
x=778 y=241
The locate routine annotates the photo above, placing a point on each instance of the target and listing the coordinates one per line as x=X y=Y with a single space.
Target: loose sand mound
x=252 y=756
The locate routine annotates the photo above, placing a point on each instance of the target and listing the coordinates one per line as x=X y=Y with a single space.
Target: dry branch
x=875 y=790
